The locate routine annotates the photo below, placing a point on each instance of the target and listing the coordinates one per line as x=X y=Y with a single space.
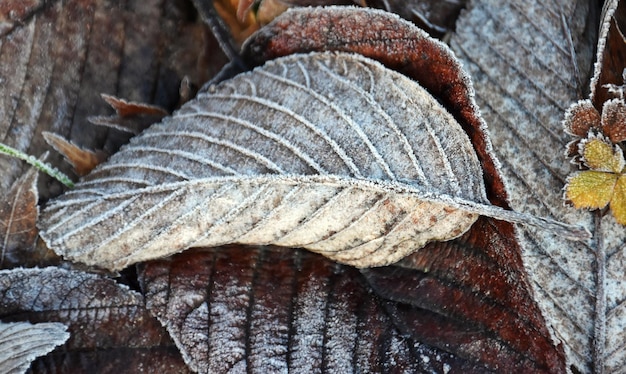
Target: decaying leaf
x=18 y=216
x=109 y=326
x=23 y=342
x=271 y=310
x=331 y=152
x=523 y=96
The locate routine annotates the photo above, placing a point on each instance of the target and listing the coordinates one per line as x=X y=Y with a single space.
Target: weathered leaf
x=330 y=152
x=18 y=217
x=109 y=326
x=482 y=271
x=272 y=310
x=520 y=58
x=23 y=342
x=397 y=44
x=56 y=59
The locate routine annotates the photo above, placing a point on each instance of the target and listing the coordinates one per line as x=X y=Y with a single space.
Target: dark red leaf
x=272 y=309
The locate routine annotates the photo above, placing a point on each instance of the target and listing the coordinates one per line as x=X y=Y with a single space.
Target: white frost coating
x=608 y=9
x=309 y=321
x=519 y=59
x=22 y=342
x=276 y=161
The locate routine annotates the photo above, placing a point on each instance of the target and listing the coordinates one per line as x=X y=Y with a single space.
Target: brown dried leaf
x=83 y=160
x=14 y=13
x=271 y=310
x=398 y=45
x=520 y=57
x=482 y=271
x=109 y=326
x=18 y=217
x=53 y=70
x=614 y=120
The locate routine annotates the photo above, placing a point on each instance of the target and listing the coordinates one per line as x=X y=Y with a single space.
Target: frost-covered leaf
x=590 y=189
x=482 y=271
x=109 y=326
x=331 y=152
x=56 y=59
x=18 y=218
x=23 y=342
x=520 y=59
x=271 y=310
x=611 y=53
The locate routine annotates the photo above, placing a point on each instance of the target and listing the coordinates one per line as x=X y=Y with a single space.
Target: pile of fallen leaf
x=397 y=160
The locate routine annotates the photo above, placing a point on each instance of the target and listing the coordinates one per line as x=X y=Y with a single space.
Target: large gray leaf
x=519 y=56
x=331 y=152
x=22 y=342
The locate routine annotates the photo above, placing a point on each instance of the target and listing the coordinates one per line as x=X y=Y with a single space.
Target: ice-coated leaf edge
x=373 y=186
x=22 y=342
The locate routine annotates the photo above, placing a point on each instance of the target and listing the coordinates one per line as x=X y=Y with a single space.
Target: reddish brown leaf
x=269 y=309
x=126 y=108
x=611 y=54
x=436 y=17
x=391 y=41
x=15 y=12
x=18 y=216
x=108 y=324
x=482 y=271
x=83 y=160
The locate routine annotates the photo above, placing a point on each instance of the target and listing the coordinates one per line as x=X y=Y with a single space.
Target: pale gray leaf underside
x=519 y=58
x=22 y=342
x=330 y=152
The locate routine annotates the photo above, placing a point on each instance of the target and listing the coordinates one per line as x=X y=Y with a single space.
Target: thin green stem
x=46 y=168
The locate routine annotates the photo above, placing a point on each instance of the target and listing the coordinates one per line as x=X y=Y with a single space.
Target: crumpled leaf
x=22 y=342
x=109 y=326
x=265 y=309
x=330 y=152
x=53 y=70
x=523 y=97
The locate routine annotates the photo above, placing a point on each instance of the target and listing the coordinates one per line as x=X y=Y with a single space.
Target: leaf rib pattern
x=523 y=97
x=283 y=311
x=320 y=124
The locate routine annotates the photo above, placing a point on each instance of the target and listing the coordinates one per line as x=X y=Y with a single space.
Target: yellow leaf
x=602 y=156
x=590 y=189
x=618 y=202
